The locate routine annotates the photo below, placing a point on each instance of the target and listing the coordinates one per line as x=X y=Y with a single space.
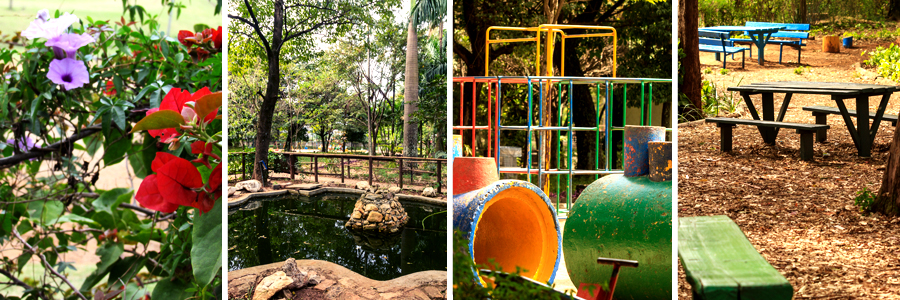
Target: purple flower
x=69 y=42
x=25 y=145
x=43 y=15
x=70 y=73
x=39 y=28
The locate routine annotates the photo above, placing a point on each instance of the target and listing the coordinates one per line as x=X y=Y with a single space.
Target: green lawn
x=24 y=11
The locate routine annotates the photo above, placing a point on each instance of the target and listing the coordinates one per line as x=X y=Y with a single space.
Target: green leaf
x=110 y=199
x=45 y=212
x=123 y=270
x=208 y=104
x=115 y=152
x=170 y=288
x=78 y=219
x=109 y=254
x=159 y=120
x=206 y=253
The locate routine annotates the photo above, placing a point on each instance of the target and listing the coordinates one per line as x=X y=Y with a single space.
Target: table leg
x=783 y=109
x=862 y=126
x=879 y=114
x=849 y=122
x=768 y=110
x=760 y=42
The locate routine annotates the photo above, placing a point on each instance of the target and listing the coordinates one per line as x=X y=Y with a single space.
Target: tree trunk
x=894 y=10
x=802 y=11
x=411 y=96
x=888 y=201
x=267 y=109
x=690 y=64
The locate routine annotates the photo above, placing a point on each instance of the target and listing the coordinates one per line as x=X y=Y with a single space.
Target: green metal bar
x=609 y=127
x=570 y=154
x=597 y=135
x=650 y=109
x=558 y=138
x=642 y=103
x=624 y=120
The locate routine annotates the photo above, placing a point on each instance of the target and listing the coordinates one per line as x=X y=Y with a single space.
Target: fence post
x=401 y=173
x=370 y=170
x=243 y=166
x=291 y=162
x=438 y=174
x=316 y=165
x=342 y=169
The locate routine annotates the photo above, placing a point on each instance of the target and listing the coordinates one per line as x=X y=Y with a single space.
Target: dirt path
x=799 y=215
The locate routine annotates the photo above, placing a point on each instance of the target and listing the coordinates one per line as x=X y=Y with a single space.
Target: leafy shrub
x=864 y=199
x=886 y=60
x=466 y=286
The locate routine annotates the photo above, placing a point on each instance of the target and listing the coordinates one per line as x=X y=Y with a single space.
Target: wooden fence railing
x=345 y=163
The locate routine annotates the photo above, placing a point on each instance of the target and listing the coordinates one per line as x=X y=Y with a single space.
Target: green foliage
x=715 y=100
x=864 y=199
x=723 y=71
x=466 y=286
x=799 y=70
x=727 y=12
x=707 y=70
x=886 y=60
x=59 y=210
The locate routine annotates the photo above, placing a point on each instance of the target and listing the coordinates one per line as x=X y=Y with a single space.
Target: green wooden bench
x=806 y=131
x=720 y=263
x=821 y=113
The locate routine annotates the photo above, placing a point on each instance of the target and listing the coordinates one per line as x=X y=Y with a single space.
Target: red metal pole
x=474 y=84
x=489 y=119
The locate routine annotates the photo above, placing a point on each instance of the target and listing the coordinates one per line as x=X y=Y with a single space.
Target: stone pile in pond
x=378 y=212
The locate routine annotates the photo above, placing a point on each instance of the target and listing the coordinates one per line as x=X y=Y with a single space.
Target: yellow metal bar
x=588 y=35
x=511 y=40
x=536 y=39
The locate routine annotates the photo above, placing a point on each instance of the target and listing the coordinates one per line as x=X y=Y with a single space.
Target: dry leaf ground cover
x=799 y=215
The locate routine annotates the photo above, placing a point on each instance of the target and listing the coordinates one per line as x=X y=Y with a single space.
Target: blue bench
x=795 y=32
x=715 y=41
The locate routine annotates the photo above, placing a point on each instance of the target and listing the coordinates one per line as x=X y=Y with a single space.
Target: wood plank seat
x=720 y=263
x=806 y=132
x=717 y=42
x=795 y=32
x=821 y=113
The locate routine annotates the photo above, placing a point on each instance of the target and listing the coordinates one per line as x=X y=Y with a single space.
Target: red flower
x=110 y=88
x=175 y=101
x=177 y=182
x=200 y=147
x=186 y=38
x=217 y=39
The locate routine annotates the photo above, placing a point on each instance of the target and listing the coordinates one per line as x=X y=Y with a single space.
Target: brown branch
x=7 y=162
x=47 y=265
x=18 y=282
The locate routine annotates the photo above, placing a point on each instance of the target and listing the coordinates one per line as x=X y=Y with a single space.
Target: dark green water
x=272 y=230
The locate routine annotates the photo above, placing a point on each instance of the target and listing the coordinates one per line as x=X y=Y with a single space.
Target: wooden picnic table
x=863 y=135
x=759 y=35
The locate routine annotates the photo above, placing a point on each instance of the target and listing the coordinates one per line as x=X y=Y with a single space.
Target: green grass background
x=24 y=11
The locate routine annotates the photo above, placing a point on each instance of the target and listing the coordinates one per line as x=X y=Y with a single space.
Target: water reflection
x=267 y=231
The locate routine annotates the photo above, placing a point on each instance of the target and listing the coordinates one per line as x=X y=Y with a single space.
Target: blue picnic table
x=759 y=35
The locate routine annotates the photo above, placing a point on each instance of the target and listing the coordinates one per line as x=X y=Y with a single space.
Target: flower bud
x=188 y=114
x=174 y=145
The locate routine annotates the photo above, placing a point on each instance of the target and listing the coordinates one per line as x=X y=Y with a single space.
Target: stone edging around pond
x=338 y=282
x=412 y=198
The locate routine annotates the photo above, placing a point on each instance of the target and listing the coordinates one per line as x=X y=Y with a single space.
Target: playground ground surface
x=799 y=215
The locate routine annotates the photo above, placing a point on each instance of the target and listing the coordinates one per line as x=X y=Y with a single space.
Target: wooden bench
x=821 y=113
x=720 y=263
x=714 y=41
x=795 y=32
x=806 y=132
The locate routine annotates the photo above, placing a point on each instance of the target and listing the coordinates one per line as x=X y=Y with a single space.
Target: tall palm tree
x=429 y=12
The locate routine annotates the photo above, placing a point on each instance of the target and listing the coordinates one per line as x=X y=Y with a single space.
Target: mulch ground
x=799 y=215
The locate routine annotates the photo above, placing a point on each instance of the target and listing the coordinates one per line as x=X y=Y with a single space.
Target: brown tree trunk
x=688 y=16
x=888 y=201
x=802 y=11
x=411 y=96
x=267 y=109
x=894 y=10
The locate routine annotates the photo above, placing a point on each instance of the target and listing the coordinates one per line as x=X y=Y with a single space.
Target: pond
x=264 y=231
